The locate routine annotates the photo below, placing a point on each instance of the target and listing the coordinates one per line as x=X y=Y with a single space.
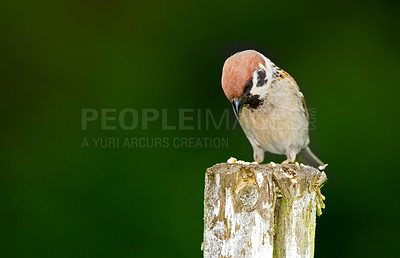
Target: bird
x=269 y=106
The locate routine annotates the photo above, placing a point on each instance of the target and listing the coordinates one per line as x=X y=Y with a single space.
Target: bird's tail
x=308 y=157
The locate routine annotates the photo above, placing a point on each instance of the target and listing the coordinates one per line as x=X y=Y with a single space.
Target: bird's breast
x=278 y=122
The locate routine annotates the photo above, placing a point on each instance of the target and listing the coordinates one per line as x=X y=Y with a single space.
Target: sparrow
x=269 y=106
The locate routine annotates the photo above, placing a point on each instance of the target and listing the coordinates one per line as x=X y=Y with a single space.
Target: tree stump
x=253 y=210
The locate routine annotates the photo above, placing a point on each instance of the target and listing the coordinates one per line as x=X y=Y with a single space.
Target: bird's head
x=244 y=78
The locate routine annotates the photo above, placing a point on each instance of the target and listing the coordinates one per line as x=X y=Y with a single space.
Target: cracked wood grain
x=253 y=210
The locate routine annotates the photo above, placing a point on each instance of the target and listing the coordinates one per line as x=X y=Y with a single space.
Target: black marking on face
x=247 y=87
x=261 y=78
x=253 y=101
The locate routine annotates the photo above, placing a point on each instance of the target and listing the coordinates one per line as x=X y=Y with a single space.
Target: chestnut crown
x=237 y=70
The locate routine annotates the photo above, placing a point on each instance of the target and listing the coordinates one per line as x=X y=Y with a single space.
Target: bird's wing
x=303 y=101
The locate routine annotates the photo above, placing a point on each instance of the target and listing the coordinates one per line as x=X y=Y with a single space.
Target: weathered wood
x=253 y=210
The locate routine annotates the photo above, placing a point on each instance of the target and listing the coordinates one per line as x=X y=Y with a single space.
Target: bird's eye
x=247 y=86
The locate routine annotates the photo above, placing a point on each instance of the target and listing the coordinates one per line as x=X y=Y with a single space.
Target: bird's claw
x=320 y=202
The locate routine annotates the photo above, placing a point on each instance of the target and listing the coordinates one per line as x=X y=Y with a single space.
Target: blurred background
x=61 y=198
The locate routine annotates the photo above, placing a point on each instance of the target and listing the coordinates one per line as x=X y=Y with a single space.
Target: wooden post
x=253 y=210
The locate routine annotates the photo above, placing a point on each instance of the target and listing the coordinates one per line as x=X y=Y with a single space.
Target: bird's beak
x=237 y=106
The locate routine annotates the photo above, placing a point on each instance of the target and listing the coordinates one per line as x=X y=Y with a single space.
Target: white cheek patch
x=261 y=91
x=270 y=71
x=255 y=78
x=262 y=66
x=260 y=88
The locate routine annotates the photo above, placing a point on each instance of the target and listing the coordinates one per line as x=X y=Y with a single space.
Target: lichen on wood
x=253 y=210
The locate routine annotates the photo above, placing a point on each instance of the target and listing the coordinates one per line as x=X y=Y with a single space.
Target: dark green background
x=60 y=200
